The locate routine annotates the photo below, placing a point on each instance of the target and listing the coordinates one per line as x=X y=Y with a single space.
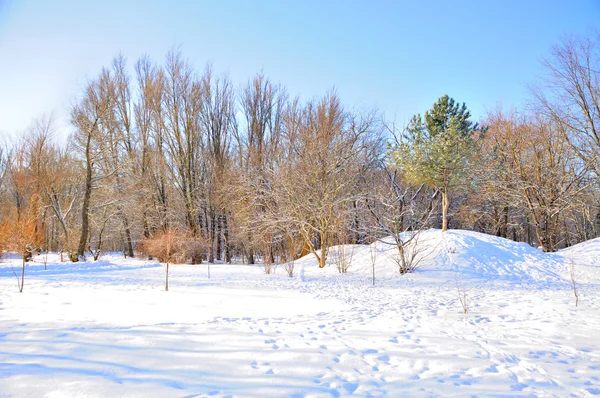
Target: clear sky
x=398 y=56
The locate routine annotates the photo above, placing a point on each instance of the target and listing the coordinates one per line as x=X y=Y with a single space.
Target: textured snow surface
x=107 y=328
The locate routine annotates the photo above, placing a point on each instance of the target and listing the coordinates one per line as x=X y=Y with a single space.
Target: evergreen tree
x=437 y=150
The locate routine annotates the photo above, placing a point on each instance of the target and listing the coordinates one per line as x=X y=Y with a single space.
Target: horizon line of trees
x=253 y=172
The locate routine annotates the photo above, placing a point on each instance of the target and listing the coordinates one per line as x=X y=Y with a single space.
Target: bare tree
x=258 y=153
x=217 y=119
x=537 y=171
x=182 y=104
x=574 y=281
x=152 y=161
x=570 y=94
x=398 y=211
x=317 y=182
x=91 y=118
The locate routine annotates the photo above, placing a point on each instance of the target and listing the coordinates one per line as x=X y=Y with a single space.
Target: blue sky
x=398 y=56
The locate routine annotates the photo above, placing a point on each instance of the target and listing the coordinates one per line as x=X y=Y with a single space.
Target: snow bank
x=108 y=328
x=585 y=259
x=452 y=255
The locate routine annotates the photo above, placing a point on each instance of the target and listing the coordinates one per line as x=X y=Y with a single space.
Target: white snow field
x=108 y=329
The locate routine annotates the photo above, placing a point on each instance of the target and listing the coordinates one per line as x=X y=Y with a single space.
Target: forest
x=171 y=161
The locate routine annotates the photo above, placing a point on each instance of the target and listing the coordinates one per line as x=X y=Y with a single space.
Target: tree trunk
x=162 y=210
x=128 y=244
x=85 y=209
x=63 y=223
x=445 y=206
x=22 y=276
x=145 y=226
x=225 y=227
x=211 y=237
x=542 y=240
x=504 y=232
x=251 y=256
x=218 y=240
x=403 y=269
x=356 y=224
x=324 y=244
x=167 y=279
x=305 y=250
x=322 y=259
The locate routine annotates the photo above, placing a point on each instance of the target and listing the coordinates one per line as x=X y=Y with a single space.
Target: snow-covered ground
x=107 y=328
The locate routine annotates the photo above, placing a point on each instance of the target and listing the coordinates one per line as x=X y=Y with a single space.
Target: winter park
x=300 y=208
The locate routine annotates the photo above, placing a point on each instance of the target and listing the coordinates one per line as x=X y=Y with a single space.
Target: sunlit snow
x=108 y=328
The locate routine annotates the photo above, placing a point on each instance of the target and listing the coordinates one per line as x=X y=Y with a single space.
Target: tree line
x=170 y=153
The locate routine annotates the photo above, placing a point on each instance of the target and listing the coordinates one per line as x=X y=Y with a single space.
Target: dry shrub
x=173 y=246
x=462 y=298
x=574 y=281
x=289 y=267
x=410 y=253
x=269 y=260
x=342 y=257
x=19 y=234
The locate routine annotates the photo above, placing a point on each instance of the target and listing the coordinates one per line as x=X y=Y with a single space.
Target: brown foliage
x=18 y=233
x=173 y=246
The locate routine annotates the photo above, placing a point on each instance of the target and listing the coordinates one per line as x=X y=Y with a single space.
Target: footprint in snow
x=492 y=369
x=519 y=387
x=350 y=387
x=384 y=358
x=359 y=372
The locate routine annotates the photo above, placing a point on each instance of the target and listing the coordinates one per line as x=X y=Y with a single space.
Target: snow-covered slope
x=588 y=251
x=108 y=328
x=585 y=258
x=455 y=254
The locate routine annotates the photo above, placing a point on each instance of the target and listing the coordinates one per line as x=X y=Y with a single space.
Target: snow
x=108 y=328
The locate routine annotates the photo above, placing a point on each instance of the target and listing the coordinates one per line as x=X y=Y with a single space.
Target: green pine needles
x=438 y=150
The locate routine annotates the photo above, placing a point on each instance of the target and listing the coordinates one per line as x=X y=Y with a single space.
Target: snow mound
x=585 y=258
x=449 y=256
x=482 y=256
x=588 y=251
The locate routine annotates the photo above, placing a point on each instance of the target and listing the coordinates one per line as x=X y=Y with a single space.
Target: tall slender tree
x=437 y=150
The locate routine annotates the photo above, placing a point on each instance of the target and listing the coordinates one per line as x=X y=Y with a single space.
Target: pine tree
x=438 y=150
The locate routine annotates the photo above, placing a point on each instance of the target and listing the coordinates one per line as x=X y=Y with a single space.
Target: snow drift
x=455 y=254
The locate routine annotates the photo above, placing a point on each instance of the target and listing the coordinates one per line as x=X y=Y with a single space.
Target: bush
x=342 y=257
x=173 y=246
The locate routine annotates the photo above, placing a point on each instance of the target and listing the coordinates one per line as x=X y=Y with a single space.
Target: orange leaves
x=174 y=246
x=20 y=232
